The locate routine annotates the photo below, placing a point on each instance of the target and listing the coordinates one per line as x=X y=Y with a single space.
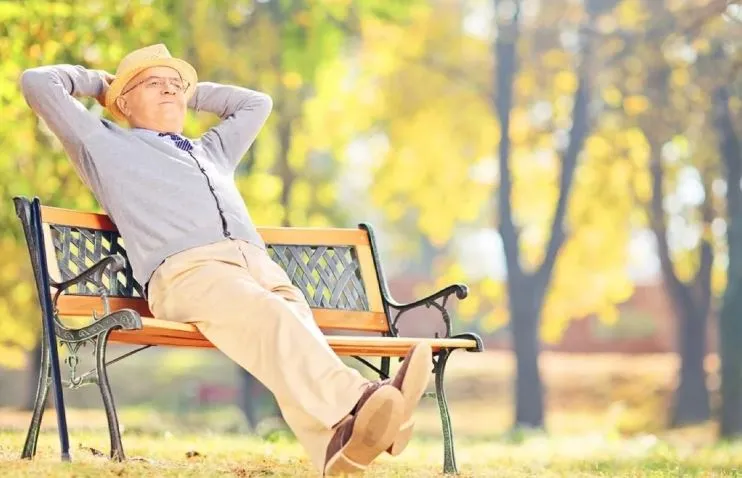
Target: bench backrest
x=335 y=268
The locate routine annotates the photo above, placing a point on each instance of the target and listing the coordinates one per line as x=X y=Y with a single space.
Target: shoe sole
x=375 y=427
x=413 y=386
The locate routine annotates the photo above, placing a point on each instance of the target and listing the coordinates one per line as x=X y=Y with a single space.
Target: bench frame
x=55 y=333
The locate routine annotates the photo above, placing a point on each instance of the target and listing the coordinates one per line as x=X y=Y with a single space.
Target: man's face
x=155 y=99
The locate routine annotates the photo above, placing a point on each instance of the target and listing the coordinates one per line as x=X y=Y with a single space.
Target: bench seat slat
x=83 y=306
x=163 y=332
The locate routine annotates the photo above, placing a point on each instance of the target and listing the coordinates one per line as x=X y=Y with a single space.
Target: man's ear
x=123 y=105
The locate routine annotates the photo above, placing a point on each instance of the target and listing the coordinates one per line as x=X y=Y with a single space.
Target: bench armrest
x=94 y=274
x=460 y=290
x=437 y=300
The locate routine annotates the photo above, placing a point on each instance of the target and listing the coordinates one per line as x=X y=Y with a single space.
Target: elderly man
x=193 y=245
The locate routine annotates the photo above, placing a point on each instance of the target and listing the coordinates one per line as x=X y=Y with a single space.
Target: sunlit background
x=569 y=160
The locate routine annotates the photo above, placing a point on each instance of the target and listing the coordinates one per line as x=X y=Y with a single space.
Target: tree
x=527 y=290
x=451 y=140
x=686 y=272
x=730 y=325
x=675 y=124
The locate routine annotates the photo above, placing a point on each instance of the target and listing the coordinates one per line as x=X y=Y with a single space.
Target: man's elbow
x=266 y=103
x=32 y=80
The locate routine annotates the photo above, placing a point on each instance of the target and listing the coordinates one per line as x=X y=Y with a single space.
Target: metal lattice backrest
x=78 y=249
x=329 y=276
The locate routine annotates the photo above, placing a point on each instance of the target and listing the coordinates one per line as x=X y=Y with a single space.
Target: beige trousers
x=245 y=304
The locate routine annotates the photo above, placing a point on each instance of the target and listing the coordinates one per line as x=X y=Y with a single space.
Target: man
x=192 y=243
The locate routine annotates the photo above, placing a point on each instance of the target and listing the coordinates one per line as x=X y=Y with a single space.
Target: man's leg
x=260 y=330
x=411 y=379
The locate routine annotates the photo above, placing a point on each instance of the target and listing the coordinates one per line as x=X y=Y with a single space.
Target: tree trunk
x=527 y=290
x=691 y=396
x=730 y=325
x=529 y=402
x=690 y=301
x=730 y=319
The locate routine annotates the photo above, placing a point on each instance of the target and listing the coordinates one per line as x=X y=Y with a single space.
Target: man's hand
x=107 y=79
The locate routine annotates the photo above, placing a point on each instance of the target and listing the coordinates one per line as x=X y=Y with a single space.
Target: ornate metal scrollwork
x=437 y=300
x=75 y=339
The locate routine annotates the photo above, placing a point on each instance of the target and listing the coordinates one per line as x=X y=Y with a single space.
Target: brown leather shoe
x=412 y=380
x=366 y=432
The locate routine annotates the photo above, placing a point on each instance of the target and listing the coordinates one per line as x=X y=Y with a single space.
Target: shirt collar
x=154 y=134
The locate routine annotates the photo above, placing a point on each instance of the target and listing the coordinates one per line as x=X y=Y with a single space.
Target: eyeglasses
x=158 y=83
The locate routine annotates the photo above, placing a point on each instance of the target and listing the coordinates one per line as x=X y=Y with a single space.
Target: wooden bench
x=81 y=270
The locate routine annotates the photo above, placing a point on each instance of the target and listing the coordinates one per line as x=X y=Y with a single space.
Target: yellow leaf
x=492 y=289
x=469 y=306
x=496 y=319
x=718 y=280
x=702 y=45
x=680 y=77
x=303 y=18
x=292 y=80
x=597 y=146
x=525 y=84
x=620 y=290
x=566 y=81
x=608 y=314
x=554 y=58
x=635 y=105
x=22 y=293
x=612 y=96
x=553 y=327
x=12 y=357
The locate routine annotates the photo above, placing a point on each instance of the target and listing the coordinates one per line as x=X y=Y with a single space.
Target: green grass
x=157 y=445
x=605 y=418
x=231 y=455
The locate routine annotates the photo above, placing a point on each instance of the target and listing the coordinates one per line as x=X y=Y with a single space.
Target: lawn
x=605 y=419
x=212 y=454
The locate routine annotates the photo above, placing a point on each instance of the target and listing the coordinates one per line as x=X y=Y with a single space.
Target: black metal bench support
x=42 y=392
x=96 y=334
x=449 y=454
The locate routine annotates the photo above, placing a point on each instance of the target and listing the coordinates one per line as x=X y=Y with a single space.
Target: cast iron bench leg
x=117 y=449
x=42 y=392
x=449 y=454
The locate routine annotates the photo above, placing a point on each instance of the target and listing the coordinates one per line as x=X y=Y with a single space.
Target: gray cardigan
x=163 y=200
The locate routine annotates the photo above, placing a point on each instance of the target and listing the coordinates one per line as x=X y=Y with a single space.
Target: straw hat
x=141 y=59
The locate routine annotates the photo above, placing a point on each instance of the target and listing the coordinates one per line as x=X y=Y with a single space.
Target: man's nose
x=169 y=88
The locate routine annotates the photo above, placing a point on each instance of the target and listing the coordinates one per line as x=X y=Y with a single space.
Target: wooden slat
x=310 y=236
x=351 y=320
x=51 y=255
x=83 y=306
x=70 y=217
x=122 y=337
x=396 y=342
x=342 y=345
x=370 y=279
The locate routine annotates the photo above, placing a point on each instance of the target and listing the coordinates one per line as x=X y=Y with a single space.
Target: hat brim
x=186 y=71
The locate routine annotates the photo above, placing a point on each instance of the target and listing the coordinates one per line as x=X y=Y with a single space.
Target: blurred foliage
x=32 y=162
x=437 y=175
x=382 y=110
x=296 y=51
